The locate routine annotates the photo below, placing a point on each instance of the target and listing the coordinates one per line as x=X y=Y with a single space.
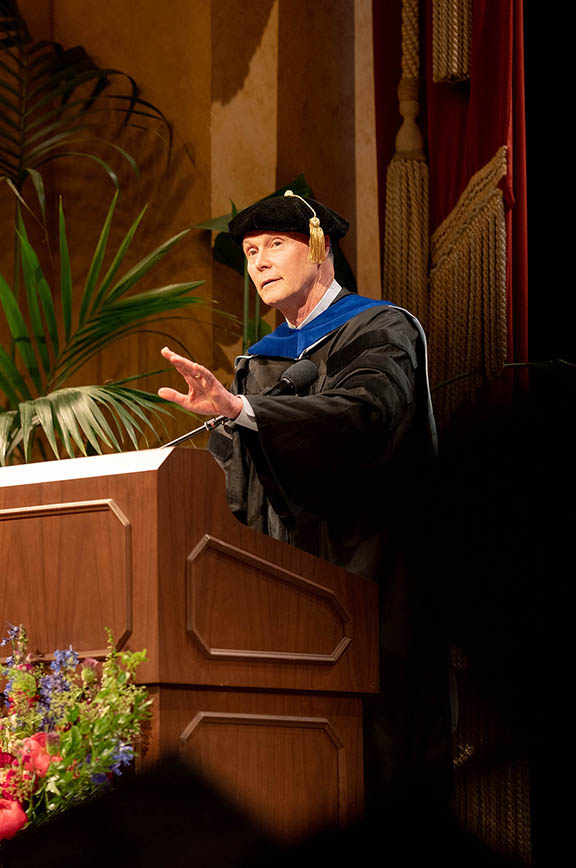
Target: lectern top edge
x=84 y=468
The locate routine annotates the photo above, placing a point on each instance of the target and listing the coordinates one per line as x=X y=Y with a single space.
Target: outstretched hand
x=206 y=395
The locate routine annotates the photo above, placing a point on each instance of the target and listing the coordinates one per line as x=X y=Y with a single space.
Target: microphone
x=295 y=379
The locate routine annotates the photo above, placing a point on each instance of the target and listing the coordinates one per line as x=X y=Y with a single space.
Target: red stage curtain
x=464 y=125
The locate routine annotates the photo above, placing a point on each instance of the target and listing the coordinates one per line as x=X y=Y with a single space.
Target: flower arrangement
x=65 y=731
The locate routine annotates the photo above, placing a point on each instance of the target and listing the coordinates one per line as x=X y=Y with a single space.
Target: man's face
x=279 y=267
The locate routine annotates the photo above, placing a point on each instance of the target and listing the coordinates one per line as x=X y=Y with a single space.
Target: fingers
x=206 y=394
x=173 y=395
x=189 y=370
x=202 y=384
x=174 y=357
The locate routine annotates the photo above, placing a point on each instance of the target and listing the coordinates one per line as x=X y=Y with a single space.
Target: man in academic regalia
x=333 y=468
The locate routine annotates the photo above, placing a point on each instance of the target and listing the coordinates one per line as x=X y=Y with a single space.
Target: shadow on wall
x=239 y=28
x=317 y=104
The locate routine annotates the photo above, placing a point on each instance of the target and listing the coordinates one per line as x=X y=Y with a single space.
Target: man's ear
x=329 y=252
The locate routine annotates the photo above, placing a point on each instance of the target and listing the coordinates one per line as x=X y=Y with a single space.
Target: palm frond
x=19 y=332
x=65 y=274
x=38 y=182
x=8 y=432
x=48 y=95
x=85 y=414
x=143 y=267
x=42 y=408
x=12 y=382
x=75 y=420
x=97 y=259
x=39 y=293
x=28 y=421
x=118 y=258
x=106 y=312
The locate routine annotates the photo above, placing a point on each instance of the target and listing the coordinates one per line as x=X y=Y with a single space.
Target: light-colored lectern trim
x=115 y=464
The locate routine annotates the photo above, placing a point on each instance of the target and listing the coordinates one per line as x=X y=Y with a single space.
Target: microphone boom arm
x=208 y=425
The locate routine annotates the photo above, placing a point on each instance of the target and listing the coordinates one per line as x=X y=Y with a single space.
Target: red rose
x=12 y=818
x=35 y=756
x=6 y=759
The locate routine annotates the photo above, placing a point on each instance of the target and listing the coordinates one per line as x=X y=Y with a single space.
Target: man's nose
x=261 y=260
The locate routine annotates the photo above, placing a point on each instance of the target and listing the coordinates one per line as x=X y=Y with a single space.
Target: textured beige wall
x=367 y=226
x=243 y=132
x=244 y=102
x=326 y=117
x=316 y=103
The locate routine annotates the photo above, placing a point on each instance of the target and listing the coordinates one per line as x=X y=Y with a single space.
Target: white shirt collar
x=333 y=290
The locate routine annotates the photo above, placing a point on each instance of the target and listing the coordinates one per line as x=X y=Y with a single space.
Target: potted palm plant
x=49 y=350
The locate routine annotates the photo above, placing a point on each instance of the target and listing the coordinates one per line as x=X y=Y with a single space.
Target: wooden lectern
x=257 y=652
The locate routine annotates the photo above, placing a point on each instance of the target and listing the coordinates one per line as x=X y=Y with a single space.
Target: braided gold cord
x=406 y=251
x=406 y=245
x=485 y=178
x=494 y=806
x=451 y=40
x=491 y=788
x=467 y=292
x=410 y=40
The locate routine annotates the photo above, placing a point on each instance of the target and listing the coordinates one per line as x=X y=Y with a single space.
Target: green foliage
x=49 y=349
x=67 y=731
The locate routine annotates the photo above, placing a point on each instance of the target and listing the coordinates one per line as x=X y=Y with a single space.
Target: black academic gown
x=324 y=469
x=335 y=472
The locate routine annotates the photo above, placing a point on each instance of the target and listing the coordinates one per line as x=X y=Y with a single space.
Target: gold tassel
x=406 y=242
x=468 y=323
x=316 y=244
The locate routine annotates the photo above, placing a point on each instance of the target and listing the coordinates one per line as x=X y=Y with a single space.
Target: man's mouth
x=268 y=282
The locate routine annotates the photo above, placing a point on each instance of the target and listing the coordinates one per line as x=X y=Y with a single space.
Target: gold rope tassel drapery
x=406 y=241
x=451 y=40
x=468 y=337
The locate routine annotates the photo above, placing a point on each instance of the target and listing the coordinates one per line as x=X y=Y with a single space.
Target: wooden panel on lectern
x=293 y=761
x=241 y=606
x=67 y=574
x=226 y=746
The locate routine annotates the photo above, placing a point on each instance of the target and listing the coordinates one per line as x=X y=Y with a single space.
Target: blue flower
x=50 y=684
x=123 y=757
x=13 y=634
x=99 y=778
x=67 y=659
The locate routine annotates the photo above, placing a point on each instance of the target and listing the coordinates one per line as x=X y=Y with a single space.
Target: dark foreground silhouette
x=169 y=817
